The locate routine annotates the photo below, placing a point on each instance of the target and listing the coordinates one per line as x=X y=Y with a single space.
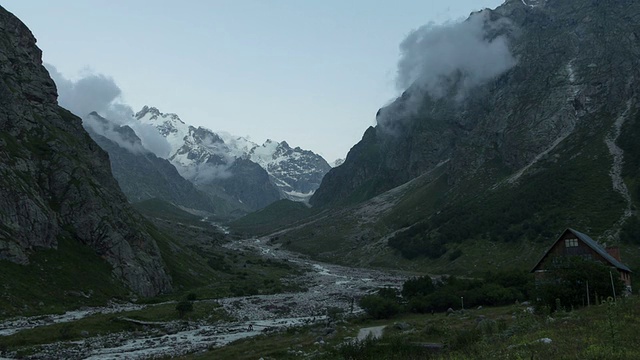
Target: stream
x=328 y=286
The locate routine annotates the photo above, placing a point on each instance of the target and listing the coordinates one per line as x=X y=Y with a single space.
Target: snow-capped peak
x=194 y=151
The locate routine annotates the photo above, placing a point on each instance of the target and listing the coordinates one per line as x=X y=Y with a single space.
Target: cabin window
x=571 y=242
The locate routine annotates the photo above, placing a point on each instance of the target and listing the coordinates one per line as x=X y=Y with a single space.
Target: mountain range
x=229 y=175
x=501 y=150
x=528 y=128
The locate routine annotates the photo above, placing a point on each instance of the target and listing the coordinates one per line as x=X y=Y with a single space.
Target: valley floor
x=222 y=320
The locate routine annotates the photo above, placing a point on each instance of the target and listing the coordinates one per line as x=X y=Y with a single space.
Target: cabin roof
x=590 y=243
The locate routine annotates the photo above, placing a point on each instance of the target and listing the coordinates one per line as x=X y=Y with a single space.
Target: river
x=328 y=286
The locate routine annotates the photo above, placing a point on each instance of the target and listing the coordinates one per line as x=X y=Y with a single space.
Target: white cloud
x=99 y=93
x=438 y=59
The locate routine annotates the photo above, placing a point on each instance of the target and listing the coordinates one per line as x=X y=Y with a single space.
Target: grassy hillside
x=163 y=209
x=282 y=213
x=57 y=280
x=198 y=263
x=73 y=276
x=484 y=221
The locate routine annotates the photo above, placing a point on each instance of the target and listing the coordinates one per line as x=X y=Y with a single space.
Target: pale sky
x=312 y=73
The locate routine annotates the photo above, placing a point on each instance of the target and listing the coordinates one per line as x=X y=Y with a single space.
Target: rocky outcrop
x=54 y=180
x=577 y=63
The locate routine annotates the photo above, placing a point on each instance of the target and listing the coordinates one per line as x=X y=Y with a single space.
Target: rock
x=402 y=326
x=84 y=333
x=55 y=181
x=544 y=341
x=480 y=307
x=450 y=311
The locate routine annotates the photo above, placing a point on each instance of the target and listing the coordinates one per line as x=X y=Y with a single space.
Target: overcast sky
x=311 y=72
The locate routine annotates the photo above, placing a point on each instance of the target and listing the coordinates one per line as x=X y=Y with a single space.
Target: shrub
x=335 y=313
x=183 y=307
x=463 y=339
x=423 y=295
x=566 y=280
x=418 y=287
x=379 y=307
x=420 y=305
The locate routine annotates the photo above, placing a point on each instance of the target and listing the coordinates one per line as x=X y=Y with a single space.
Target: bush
x=183 y=307
x=463 y=339
x=423 y=295
x=418 y=287
x=335 y=313
x=420 y=305
x=379 y=307
x=443 y=300
x=565 y=283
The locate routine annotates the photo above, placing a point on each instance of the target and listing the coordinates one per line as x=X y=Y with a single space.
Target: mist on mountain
x=450 y=59
x=100 y=93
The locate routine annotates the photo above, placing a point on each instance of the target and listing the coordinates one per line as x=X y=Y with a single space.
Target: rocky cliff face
x=576 y=70
x=547 y=143
x=54 y=180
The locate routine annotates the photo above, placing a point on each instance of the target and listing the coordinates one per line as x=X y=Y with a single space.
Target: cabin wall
x=582 y=249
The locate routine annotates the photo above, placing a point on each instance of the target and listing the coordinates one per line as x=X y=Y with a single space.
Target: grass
x=163 y=209
x=57 y=280
x=607 y=331
x=273 y=217
x=199 y=264
x=482 y=220
x=72 y=276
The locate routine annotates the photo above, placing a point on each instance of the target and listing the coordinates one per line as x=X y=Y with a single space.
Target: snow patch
x=618 y=160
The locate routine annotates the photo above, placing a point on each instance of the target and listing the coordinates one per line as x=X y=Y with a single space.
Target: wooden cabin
x=575 y=243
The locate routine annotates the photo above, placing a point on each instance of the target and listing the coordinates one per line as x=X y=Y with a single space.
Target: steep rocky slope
x=518 y=156
x=574 y=60
x=141 y=174
x=55 y=182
